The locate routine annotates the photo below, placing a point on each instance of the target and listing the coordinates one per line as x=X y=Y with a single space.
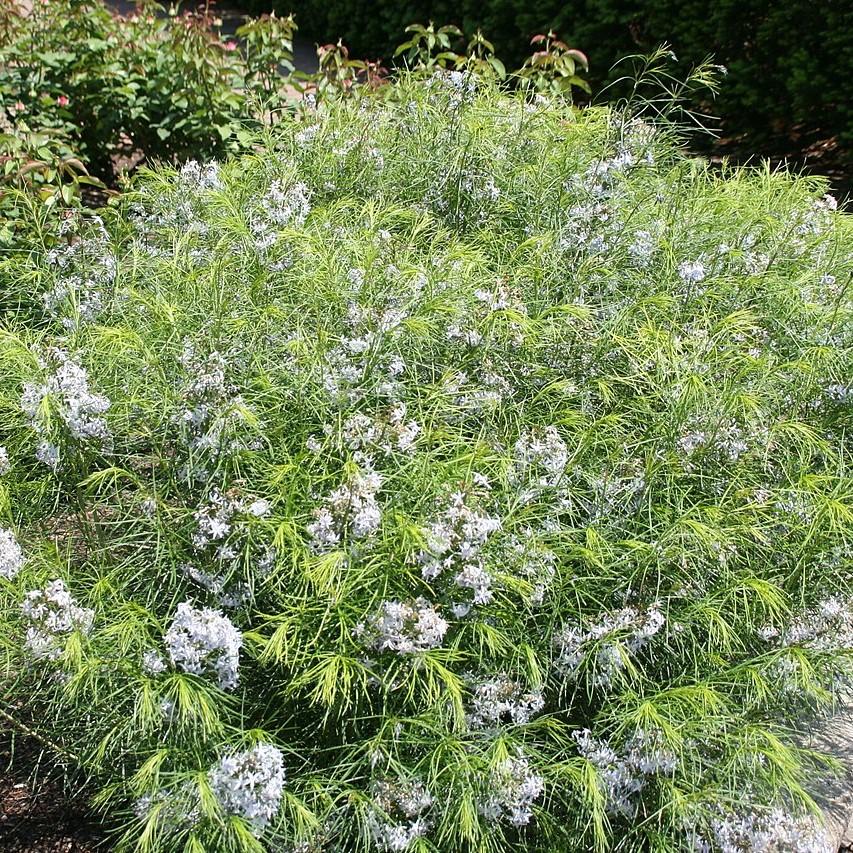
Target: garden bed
x=38 y=814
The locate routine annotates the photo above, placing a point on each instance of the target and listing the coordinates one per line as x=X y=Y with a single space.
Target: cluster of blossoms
x=391 y=434
x=306 y=137
x=489 y=303
x=403 y=628
x=283 y=206
x=642 y=250
x=468 y=335
x=727 y=440
x=153 y=663
x=798 y=504
x=396 y=816
x=498 y=700
x=351 y=510
x=197 y=177
x=67 y=388
x=85 y=269
x=11 y=555
x=5 y=464
x=53 y=614
x=813 y=220
x=540 y=460
x=603 y=176
x=216 y=519
x=202 y=641
x=771 y=831
x=594 y=225
x=459 y=86
x=513 y=789
x=590 y=228
x=211 y=411
x=454 y=544
x=180 y=209
x=624 y=774
x=839 y=393
x=250 y=784
x=479 y=393
x=828 y=625
x=209 y=419
x=692 y=272
x=625 y=631
x=221 y=538
x=359 y=365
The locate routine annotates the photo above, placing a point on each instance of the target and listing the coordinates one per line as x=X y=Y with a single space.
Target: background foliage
x=789 y=62
x=86 y=94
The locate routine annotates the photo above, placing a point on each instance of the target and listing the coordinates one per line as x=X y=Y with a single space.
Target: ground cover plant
x=456 y=471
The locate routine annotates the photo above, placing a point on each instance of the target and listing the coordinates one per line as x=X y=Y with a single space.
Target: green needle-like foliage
x=459 y=471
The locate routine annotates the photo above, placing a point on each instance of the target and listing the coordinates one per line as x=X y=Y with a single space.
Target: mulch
x=804 y=150
x=38 y=812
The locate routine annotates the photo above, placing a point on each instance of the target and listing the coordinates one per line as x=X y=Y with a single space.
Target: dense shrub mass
x=87 y=94
x=164 y=85
x=457 y=472
x=788 y=62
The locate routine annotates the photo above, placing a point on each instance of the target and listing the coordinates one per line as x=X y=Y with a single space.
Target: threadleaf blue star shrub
x=457 y=472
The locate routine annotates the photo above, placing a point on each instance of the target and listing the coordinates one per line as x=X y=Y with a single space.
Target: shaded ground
x=37 y=813
x=806 y=150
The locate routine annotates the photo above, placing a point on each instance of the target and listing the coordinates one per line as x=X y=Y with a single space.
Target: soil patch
x=39 y=810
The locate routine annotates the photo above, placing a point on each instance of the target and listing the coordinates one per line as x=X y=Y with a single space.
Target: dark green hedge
x=790 y=61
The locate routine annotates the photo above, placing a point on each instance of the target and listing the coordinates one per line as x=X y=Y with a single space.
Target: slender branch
x=30 y=732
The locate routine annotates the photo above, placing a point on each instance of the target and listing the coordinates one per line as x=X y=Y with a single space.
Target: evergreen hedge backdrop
x=789 y=62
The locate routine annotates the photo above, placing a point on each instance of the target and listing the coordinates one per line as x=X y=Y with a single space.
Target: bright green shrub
x=457 y=472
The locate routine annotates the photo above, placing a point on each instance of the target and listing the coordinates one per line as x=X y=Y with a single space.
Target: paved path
x=835 y=794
